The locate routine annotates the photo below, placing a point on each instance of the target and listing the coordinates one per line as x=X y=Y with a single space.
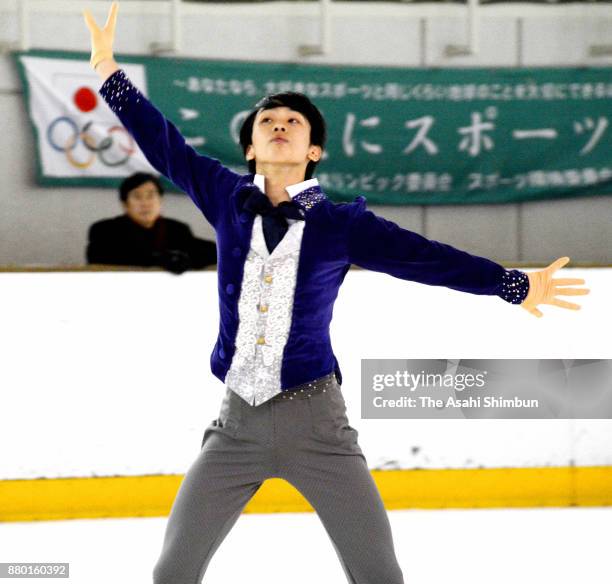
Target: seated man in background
x=142 y=237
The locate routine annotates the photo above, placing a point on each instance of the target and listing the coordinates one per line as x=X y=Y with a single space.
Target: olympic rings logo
x=65 y=126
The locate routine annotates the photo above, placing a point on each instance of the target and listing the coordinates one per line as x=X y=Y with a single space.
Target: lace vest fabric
x=264 y=309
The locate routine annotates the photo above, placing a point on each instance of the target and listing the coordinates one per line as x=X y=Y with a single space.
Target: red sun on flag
x=85 y=99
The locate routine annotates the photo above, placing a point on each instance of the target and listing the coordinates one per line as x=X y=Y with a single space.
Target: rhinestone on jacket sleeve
x=514 y=286
x=118 y=91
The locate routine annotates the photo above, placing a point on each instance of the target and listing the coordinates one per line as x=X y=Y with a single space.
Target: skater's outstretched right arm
x=204 y=179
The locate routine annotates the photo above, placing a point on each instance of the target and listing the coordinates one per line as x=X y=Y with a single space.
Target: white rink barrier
x=108 y=373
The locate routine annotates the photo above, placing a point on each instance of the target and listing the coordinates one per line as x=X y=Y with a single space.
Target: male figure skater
x=284 y=250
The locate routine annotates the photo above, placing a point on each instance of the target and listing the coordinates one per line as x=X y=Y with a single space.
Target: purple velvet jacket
x=336 y=235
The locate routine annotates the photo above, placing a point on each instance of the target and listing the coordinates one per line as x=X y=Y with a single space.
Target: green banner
x=402 y=136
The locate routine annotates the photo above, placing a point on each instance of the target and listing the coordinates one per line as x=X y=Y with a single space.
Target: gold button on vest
x=268 y=279
x=263 y=308
x=261 y=341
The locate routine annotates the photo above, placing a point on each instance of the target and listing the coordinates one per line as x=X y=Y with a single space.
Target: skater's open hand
x=543 y=289
x=102 y=39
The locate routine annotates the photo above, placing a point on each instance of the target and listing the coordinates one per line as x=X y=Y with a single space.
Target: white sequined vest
x=265 y=308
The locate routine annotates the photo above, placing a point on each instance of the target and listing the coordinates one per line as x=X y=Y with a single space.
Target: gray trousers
x=306 y=441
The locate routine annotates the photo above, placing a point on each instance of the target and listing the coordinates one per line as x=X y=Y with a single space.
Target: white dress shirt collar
x=293 y=190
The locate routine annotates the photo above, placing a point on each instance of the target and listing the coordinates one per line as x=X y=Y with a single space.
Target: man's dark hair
x=134 y=181
x=297 y=102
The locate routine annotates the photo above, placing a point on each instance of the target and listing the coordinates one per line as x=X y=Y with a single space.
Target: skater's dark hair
x=134 y=181
x=297 y=102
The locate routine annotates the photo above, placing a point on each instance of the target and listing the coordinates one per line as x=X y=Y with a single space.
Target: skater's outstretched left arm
x=378 y=244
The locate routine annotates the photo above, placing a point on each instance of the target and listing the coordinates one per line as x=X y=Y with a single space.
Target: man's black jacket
x=169 y=244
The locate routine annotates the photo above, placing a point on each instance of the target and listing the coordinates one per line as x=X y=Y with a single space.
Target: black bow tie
x=274 y=219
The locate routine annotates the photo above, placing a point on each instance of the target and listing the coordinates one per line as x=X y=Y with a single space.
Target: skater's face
x=281 y=136
x=143 y=204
